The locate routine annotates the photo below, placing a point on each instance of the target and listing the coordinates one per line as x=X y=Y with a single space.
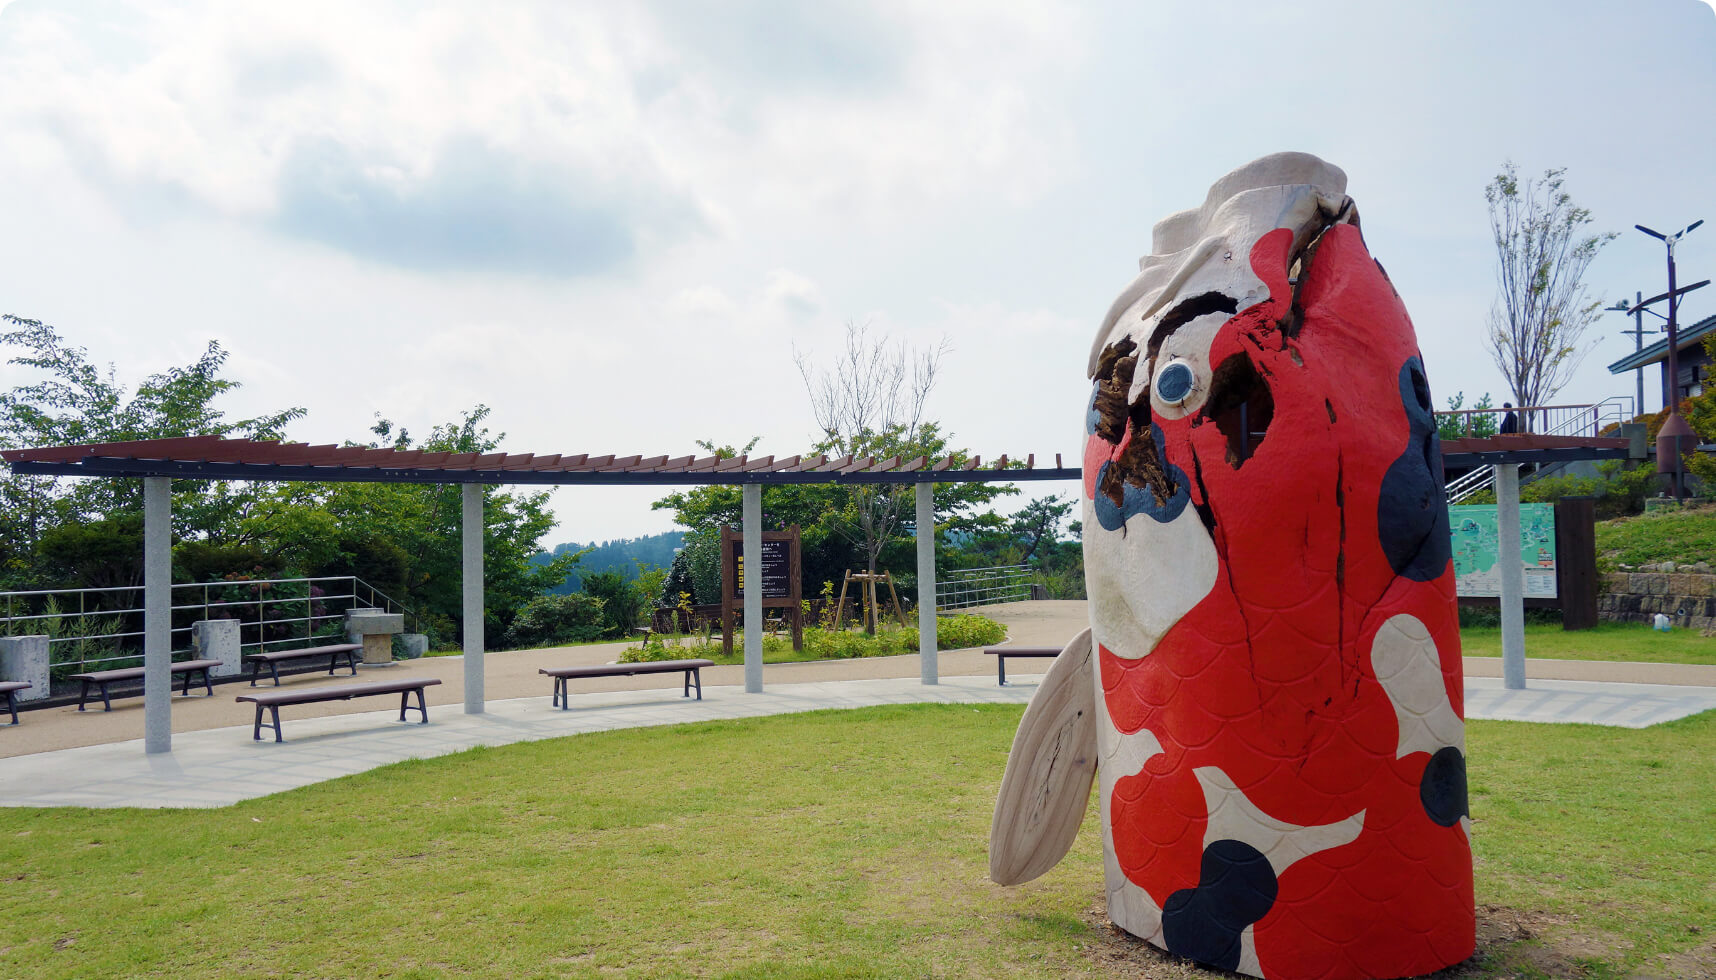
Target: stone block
x=217 y=639
x=366 y=622
x=25 y=658
x=412 y=645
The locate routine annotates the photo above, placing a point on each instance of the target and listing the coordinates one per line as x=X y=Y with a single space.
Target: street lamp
x=1638 y=332
x=1674 y=428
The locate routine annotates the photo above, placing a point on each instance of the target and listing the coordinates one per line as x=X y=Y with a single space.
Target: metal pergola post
x=751 y=507
x=157 y=614
x=927 y=666
x=471 y=563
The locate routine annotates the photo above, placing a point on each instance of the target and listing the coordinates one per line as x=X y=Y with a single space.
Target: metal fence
x=981 y=586
x=93 y=629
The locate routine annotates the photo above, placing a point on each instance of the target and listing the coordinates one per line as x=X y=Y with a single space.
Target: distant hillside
x=616 y=556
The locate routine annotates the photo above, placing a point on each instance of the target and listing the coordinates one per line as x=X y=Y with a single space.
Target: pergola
x=160 y=461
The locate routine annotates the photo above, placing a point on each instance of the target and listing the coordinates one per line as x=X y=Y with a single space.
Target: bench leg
x=255 y=671
x=185 y=683
x=208 y=685
x=12 y=706
x=560 y=693
x=422 y=706
x=351 y=661
x=697 y=672
x=274 y=714
x=333 y=661
x=81 y=698
x=256 y=732
x=1001 y=665
x=687 y=692
x=274 y=670
x=106 y=702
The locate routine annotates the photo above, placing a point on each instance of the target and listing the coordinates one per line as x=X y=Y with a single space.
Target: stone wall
x=1684 y=593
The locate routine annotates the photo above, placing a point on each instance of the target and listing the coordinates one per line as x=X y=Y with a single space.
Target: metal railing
x=1586 y=421
x=981 y=586
x=106 y=627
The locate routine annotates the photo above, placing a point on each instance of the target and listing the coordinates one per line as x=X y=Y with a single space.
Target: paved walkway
x=60 y=757
x=221 y=766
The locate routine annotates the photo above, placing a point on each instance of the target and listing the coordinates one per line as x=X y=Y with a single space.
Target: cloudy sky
x=614 y=222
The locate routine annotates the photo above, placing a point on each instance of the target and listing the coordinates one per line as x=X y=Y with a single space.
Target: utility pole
x=1638 y=332
x=1675 y=431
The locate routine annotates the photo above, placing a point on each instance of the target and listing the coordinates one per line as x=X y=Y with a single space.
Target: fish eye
x=1174 y=382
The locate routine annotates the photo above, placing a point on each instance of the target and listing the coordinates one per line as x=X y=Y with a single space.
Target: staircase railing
x=1587 y=421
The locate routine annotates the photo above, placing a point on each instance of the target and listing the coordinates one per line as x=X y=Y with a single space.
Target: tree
x=76 y=402
x=1038 y=521
x=1541 y=310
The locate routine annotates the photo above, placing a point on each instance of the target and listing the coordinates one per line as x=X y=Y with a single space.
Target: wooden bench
x=273 y=699
x=693 y=673
x=105 y=677
x=10 y=688
x=272 y=657
x=1002 y=653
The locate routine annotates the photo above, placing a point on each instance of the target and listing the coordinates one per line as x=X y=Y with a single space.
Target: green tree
x=72 y=402
x=1541 y=311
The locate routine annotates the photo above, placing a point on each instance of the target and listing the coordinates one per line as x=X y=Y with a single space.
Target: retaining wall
x=1684 y=593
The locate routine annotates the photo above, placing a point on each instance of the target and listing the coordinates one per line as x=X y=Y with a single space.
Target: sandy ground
x=514 y=675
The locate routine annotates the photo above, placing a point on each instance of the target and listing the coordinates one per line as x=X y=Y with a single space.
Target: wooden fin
x=1046 y=789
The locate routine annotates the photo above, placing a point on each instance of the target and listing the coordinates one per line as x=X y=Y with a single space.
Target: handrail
x=1578 y=420
x=99 y=636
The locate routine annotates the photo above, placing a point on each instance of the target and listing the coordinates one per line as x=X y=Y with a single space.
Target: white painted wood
x=1046 y=788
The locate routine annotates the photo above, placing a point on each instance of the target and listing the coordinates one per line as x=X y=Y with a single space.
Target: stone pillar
x=472 y=562
x=1512 y=576
x=157 y=614
x=751 y=507
x=374 y=629
x=217 y=639
x=927 y=667
x=25 y=658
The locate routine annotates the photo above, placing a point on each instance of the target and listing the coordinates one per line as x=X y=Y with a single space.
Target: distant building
x=1693 y=362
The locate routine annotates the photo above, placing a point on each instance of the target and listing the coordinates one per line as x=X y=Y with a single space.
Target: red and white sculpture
x=1271 y=685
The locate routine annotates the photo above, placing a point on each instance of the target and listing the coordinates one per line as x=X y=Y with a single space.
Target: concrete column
x=25 y=658
x=1512 y=576
x=926 y=583
x=752 y=518
x=217 y=639
x=472 y=562
x=157 y=614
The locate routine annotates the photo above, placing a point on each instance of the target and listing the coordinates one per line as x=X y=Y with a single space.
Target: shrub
x=550 y=619
x=958 y=632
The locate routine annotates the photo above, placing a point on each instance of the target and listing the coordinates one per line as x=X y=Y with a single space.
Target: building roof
x=215 y=458
x=1687 y=336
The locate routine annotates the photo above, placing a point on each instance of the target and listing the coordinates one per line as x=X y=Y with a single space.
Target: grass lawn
x=1677 y=536
x=1627 y=642
x=825 y=845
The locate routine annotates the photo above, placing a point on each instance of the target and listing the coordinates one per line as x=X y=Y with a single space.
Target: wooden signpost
x=782 y=582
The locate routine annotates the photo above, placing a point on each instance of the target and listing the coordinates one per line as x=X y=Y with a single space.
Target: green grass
x=834 y=844
x=1677 y=536
x=1624 y=642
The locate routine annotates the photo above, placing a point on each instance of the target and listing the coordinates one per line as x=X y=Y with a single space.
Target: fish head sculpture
x=1275 y=705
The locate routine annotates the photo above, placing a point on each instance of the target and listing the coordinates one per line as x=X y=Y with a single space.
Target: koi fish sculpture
x=1271 y=684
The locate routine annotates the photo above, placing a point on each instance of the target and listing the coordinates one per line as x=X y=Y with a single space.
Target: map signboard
x=1477 y=571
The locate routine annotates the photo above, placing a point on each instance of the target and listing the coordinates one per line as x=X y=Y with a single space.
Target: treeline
x=622 y=555
x=403 y=539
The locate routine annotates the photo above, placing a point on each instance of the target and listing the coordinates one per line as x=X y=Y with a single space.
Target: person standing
x=1510 y=421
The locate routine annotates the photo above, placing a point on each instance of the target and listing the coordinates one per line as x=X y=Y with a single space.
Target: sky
x=616 y=224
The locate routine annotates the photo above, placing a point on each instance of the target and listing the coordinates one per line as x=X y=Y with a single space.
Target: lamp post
x=1674 y=428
